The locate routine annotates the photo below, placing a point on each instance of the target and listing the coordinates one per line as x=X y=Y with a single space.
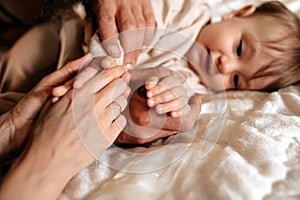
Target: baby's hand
x=167 y=94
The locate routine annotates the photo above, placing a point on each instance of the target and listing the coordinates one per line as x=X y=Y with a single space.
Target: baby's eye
x=239 y=49
x=236 y=80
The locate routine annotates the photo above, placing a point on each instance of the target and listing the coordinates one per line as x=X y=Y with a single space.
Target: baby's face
x=234 y=48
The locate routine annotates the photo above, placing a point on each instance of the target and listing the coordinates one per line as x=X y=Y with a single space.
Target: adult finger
x=110 y=92
x=116 y=127
x=107 y=62
x=107 y=28
x=115 y=108
x=149 y=23
x=66 y=72
x=92 y=69
x=61 y=90
x=90 y=25
x=131 y=55
x=128 y=36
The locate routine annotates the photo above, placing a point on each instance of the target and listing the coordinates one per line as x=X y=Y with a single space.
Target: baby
x=253 y=48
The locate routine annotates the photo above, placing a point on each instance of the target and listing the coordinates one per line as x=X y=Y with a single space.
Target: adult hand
x=68 y=136
x=144 y=124
x=18 y=122
x=130 y=17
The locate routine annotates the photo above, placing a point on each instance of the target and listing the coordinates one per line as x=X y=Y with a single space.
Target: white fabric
x=255 y=157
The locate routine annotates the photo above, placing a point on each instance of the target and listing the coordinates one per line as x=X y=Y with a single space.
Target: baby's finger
x=151 y=82
x=54 y=99
x=165 y=84
x=182 y=112
x=166 y=96
x=171 y=105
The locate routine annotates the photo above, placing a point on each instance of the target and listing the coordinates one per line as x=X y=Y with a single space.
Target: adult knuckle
x=128 y=24
x=106 y=19
x=140 y=23
x=149 y=19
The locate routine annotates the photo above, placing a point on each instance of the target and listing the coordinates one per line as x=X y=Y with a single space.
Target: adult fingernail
x=150 y=84
x=88 y=58
x=114 y=49
x=144 y=48
x=129 y=66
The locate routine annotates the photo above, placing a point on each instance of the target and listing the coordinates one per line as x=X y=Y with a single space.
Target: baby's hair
x=285 y=45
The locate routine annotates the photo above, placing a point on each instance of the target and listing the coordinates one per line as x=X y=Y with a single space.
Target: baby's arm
x=167 y=95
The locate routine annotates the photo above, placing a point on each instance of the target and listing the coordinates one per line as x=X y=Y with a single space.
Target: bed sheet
x=256 y=154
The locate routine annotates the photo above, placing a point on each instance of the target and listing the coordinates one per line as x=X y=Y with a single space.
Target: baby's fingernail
x=149 y=94
x=54 y=99
x=151 y=102
x=159 y=109
x=150 y=84
x=174 y=114
x=129 y=66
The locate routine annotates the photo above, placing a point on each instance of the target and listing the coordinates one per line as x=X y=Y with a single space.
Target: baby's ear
x=243 y=12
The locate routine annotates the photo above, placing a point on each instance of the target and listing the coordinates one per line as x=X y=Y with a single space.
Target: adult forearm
x=26 y=182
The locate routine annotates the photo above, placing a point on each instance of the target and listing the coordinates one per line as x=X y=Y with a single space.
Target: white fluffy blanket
x=255 y=156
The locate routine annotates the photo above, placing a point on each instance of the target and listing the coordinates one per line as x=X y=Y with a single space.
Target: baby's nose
x=223 y=64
